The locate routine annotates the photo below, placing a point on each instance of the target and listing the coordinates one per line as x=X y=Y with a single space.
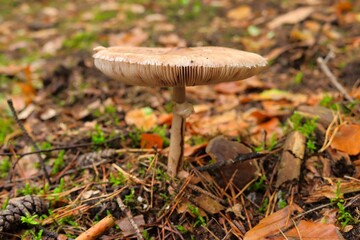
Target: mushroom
x=177 y=68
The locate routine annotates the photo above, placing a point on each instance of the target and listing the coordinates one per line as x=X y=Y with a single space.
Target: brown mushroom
x=177 y=68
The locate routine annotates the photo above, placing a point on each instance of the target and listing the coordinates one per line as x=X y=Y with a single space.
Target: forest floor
x=283 y=147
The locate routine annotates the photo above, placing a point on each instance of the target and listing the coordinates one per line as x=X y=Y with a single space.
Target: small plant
x=102 y=16
x=6 y=127
x=98 y=137
x=59 y=188
x=81 y=40
x=5 y=166
x=197 y=140
x=30 y=219
x=5 y=203
x=161 y=131
x=146 y=235
x=30 y=234
x=58 y=163
x=199 y=220
x=328 y=102
x=307 y=129
x=281 y=201
x=181 y=228
x=135 y=137
x=264 y=205
x=120 y=179
x=162 y=175
x=299 y=78
x=270 y=146
x=28 y=190
x=344 y=217
x=259 y=185
x=130 y=198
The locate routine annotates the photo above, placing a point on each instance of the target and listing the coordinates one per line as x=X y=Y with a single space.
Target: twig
x=29 y=139
x=332 y=78
x=130 y=217
x=78 y=146
x=239 y=158
x=99 y=228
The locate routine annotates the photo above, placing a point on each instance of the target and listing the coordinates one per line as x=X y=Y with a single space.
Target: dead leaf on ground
x=240 y=13
x=291 y=158
x=127 y=228
x=150 y=140
x=208 y=204
x=347 y=139
x=307 y=230
x=143 y=118
x=273 y=223
x=291 y=17
x=135 y=37
x=331 y=190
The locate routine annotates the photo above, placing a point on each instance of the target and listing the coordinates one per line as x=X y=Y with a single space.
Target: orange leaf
x=311 y=230
x=347 y=139
x=143 y=118
x=272 y=224
x=149 y=140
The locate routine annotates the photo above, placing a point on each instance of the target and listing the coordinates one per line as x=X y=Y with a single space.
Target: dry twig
x=29 y=139
x=99 y=228
x=333 y=79
x=130 y=217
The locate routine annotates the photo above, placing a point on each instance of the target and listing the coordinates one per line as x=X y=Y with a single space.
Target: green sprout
x=307 y=128
x=199 y=220
x=58 y=163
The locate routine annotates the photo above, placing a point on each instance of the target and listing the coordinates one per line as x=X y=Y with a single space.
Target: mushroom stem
x=176 y=153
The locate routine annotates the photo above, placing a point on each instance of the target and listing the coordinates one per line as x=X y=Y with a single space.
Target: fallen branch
x=98 y=229
x=29 y=139
x=239 y=158
x=332 y=78
x=130 y=217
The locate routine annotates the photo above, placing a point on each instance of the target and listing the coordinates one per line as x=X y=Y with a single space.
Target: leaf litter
x=101 y=142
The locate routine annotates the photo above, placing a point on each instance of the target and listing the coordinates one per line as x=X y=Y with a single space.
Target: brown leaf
x=240 y=13
x=332 y=190
x=135 y=37
x=127 y=228
x=208 y=204
x=273 y=223
x=291 y=158
x=149 y=140
x=307 y=230
x=141 y=118
x=347 y=139
x=291 y=17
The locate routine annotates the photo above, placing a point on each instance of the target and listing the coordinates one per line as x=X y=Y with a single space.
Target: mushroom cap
x=165 y=67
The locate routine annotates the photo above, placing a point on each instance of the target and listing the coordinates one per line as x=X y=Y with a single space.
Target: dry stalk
x=333 y=79
x=98 y=229
x=130 y=217
x=29 y=139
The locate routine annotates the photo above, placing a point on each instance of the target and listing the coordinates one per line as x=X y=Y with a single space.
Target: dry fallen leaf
x=272 y=224
x=347 y=139
x=291 y=158
x=291 y=17
x=240 y=13
x=127 y=228
x=135 y=37
x=143 y=118
x=332 y=190
x=307 y=230
x=208 y=204
x=149 y=140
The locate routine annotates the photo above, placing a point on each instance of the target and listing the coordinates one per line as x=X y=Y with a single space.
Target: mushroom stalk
x=180 y=111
